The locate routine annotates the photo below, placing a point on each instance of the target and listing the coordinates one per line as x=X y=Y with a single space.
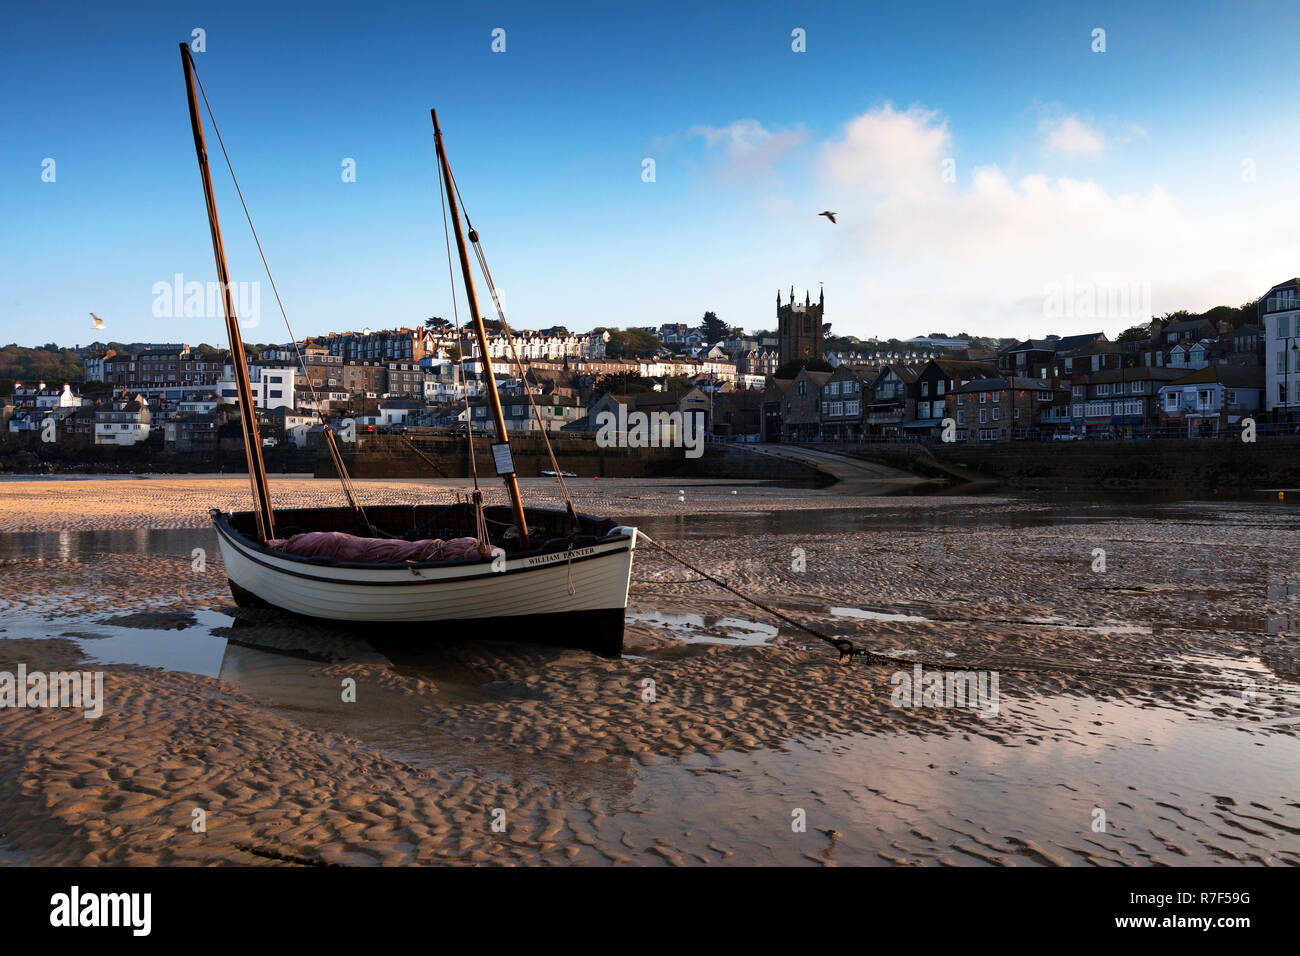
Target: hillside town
x=1173 y=377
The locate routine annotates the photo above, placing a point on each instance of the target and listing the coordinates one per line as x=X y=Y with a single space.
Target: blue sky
x=1159 y=169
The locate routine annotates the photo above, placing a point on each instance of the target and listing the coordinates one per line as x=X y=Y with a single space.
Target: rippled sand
x=1160 y=691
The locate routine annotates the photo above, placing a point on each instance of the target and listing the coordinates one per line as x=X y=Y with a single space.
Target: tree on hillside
x=714 y=328
x=631 y=343
x=437 y=323
x=52 y=366
x=1134 y=333
x=621 y=383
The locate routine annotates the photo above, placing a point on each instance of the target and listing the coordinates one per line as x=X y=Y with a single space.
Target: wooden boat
x=570 y=591
x=563 y=577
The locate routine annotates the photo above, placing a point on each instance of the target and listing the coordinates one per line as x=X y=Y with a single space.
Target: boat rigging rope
x=850 y=655
x=480 y=518
x=327 y=433
x=514 y=354
x=455 y=311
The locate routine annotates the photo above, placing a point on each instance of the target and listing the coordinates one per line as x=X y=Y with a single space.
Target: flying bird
x=99 y=323
x=828 y=215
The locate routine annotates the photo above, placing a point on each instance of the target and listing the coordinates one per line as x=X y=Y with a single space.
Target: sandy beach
x=1159 y=687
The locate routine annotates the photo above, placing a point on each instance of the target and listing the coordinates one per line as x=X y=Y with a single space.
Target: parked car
x=1066 y=436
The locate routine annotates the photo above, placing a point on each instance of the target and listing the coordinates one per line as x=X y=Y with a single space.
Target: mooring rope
x=850 y=654
x=423 y=457
x=841 y=644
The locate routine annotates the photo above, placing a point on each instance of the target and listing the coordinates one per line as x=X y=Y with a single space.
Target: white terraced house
x=123 y=422
x=272 y=386
x=1279 y=315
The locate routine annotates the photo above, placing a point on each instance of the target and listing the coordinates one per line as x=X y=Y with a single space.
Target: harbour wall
x=393 y=456
x=1168 y=465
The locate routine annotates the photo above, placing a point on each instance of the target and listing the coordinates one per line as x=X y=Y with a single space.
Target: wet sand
x=1162 y=691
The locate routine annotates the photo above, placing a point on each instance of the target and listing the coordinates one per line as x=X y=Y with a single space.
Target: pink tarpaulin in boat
x=349 y=547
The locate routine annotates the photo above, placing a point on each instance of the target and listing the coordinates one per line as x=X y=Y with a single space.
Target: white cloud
x=982 y=253
x=1071 y=137
x=746 y=146
x=888 y=151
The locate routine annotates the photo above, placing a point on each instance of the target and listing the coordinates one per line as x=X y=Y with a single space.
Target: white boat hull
x=565 y=586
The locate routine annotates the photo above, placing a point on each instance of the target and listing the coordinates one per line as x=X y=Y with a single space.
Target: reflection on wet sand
x=1163 y=692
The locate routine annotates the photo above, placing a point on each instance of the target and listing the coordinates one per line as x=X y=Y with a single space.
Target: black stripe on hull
x=599 y=631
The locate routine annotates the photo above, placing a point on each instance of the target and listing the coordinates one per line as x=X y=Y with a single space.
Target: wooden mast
x=494 y=400
x=247 y=413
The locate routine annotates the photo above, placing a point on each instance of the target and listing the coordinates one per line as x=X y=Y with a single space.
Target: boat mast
x=247 y=413
x=494 y=400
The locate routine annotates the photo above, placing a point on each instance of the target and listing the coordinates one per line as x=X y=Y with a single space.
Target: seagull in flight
x=829 y=215
x=99 y=323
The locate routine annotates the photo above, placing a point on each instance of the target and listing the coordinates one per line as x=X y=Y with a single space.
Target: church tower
x=799 y=326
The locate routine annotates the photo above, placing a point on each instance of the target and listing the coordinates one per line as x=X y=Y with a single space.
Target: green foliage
x=714 y=327
x=1134 y=333
x=621 y=383
x=631 y=343
x=50 y=364
x=1246 y=313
